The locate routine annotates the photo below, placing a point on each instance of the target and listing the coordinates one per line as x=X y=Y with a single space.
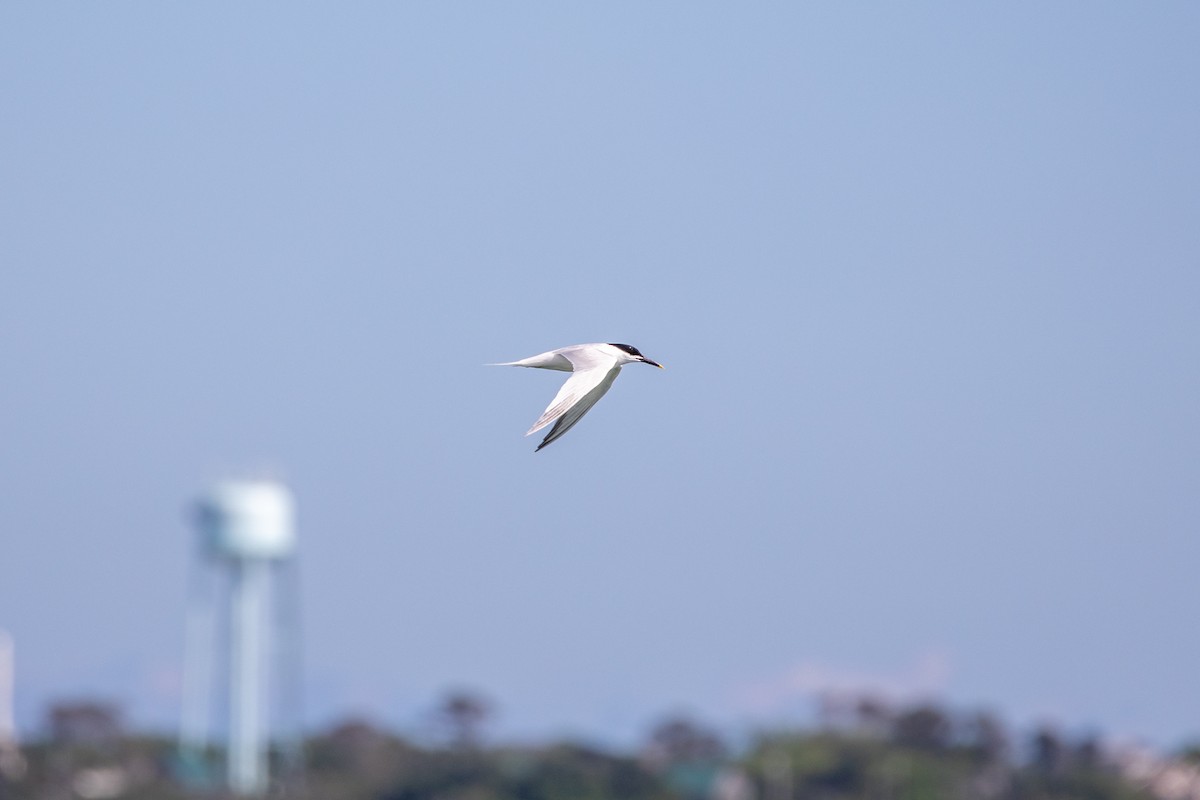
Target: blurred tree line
x=862 y=749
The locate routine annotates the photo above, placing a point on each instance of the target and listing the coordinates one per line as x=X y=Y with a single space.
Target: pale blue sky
x=926 y=280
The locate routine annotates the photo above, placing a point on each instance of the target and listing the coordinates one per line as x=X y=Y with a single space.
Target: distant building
x=86 y=722
x=1165 y=778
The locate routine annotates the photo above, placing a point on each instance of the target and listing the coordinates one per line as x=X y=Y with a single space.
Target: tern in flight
x=593 y=369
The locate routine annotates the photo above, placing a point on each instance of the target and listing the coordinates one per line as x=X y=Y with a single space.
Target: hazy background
x=926 y=281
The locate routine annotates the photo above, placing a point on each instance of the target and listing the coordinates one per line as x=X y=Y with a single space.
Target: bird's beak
x=652 y=363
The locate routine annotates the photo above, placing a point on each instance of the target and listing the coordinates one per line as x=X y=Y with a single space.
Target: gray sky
x=926 y=281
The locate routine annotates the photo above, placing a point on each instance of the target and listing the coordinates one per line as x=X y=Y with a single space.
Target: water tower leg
x=247 y=748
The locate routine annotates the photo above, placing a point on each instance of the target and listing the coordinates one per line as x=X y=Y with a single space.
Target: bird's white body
x=594 y=367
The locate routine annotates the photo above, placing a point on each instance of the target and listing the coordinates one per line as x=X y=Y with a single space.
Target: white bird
x=594 y=367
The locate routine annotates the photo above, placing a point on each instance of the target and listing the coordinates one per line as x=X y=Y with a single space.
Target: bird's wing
x=576 y=358
x=551 y=360
x=576 y=397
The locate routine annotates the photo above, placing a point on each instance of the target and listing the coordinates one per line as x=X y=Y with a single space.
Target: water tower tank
x=243 y=520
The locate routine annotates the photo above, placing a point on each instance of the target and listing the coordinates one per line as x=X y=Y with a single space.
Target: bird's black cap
x=628 y=348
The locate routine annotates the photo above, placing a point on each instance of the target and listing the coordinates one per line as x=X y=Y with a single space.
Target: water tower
x=12 y=763
x=246 y=536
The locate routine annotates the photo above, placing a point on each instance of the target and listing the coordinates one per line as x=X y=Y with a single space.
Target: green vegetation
x=863 y=750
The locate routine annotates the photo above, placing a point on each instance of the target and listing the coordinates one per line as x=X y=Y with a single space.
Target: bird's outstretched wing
x=576 y=397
